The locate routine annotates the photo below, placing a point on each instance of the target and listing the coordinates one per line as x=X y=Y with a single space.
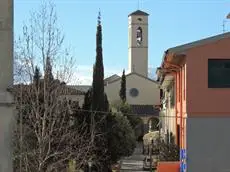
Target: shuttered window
x=219 y=73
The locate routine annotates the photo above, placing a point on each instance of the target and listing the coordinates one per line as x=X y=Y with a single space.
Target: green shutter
x=219 y=73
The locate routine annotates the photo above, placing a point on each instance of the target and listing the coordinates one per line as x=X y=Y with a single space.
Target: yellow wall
x=149 y=93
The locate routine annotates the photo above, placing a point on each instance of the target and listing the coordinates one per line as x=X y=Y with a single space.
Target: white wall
x=149 y=93
x=171 y=120
x=168 y=115
x=77 y=98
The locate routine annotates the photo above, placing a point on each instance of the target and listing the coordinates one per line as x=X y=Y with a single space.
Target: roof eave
x=180 y=51
x=138 y=13
x=201 y=42
x=170 y=64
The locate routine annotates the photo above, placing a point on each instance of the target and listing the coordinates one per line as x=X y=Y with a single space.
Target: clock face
x=139 y=36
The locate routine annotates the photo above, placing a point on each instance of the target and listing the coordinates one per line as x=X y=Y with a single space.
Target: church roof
x=134 y=73
x=82 y=88
x=138 y=13
x=111 y=78
x=144 y=110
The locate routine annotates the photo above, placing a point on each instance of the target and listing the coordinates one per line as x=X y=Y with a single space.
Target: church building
x=142 y=93
x=141 y=90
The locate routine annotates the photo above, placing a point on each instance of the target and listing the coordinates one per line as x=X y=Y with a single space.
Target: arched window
x=139 y=35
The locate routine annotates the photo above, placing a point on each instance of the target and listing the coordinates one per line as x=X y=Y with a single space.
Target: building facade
x=141 y=90
x=137 y=90
x=200 y=73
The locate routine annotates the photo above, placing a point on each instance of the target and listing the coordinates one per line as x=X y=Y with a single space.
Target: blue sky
x=171 y=23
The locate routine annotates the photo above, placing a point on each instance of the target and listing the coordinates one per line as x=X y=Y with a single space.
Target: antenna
x=138 y=4
x=223 y=25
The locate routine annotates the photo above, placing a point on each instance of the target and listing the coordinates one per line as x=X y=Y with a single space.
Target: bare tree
x=41 y=39
x=47 y=135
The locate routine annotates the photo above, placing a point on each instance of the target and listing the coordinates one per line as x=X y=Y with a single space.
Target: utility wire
x=126 y=114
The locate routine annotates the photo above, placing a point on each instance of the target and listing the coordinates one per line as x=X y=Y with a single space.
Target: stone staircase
x=133 y=163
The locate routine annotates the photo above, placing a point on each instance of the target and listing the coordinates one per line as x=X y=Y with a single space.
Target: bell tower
x=138 y=42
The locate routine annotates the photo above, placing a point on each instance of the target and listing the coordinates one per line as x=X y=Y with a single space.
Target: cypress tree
x=100 y=103
x=123 y=87
x=106 y=103
x=48 y=76
x=37 y=85
x=87 y=100
x=98 y=73
x=37 y=76
x=86 y=115
x=49 y=85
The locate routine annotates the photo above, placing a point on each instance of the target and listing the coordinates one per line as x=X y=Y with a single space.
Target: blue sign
x=183 y=157
x=183 y=154
x=183 y=167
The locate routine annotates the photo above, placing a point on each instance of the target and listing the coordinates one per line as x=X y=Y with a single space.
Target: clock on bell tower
x=138 y=42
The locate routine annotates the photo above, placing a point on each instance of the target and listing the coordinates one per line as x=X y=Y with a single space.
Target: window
x=161 y=94
x=178 y=135
x=134 y=92
x=172 y=99
x=139 y=32
x=139 y=36
x=219 y=73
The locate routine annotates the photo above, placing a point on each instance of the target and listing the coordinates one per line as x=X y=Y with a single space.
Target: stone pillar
x=6 y=81
x=6 y=44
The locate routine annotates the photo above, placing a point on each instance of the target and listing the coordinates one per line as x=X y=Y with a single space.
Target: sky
x=171 y=23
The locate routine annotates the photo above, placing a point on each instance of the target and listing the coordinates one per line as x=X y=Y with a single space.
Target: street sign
x=183 y=163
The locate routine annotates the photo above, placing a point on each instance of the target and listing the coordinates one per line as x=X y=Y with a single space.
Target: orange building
x=195 y=80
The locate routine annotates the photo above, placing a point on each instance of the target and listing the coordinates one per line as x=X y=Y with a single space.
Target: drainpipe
x=181 y=109
x=179 y=97
x=175 y=94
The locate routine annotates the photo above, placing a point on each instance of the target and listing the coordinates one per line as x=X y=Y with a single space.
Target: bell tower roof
x=138 y=13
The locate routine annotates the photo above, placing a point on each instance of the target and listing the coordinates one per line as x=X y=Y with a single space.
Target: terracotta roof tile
x=144 y=110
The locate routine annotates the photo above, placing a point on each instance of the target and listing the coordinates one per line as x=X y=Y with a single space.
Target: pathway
x=133 y=163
